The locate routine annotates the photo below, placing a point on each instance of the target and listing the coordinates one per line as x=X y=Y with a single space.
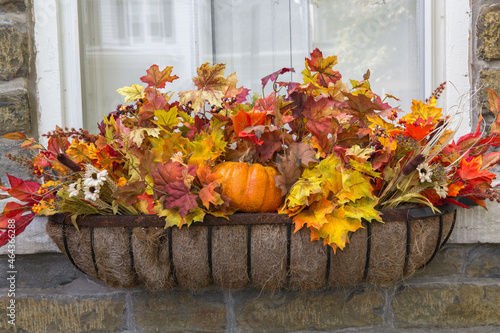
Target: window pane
x=121 y=39
x=380 y=35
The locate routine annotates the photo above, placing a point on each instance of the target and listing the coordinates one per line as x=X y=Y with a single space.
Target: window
x=403 y=43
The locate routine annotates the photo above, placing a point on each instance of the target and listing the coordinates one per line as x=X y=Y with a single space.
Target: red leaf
x=14 y=181
x=26 y=191
x=274 y=76
x=21 y=223
x=180 y=197
x=158 y=78
x=150 y=202
x=169 y=172
x=455 y=202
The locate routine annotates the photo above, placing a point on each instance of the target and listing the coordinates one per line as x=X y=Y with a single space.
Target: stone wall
x=485 y=51
x=17 y=79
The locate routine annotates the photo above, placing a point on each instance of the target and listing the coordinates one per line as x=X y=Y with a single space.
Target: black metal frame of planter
x=407 y=222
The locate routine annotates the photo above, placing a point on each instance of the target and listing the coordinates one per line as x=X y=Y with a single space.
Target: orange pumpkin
x=251 y=188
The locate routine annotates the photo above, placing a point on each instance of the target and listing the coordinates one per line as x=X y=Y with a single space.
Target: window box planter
x=257 y=249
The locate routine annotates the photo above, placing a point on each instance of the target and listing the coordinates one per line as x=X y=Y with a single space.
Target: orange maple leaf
x=470 y=170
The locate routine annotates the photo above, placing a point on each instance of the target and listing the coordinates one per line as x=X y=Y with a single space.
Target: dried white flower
x=424 y=172
x=74 y=188
x=94 y=177
x=91 y=192
x=441 y=190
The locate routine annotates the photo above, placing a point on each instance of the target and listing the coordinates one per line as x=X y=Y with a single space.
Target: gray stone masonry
x=458 y=292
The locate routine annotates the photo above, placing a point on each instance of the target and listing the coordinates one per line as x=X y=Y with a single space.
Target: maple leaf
x=240 y=93
x=301 y=190
x=304 y=152
x=470 y=170
x=362 y=209
x=206 y=146
x=324 y=67
x=179 y=196
x=158 y=78
x=132 y=93
x=210 y=83
x=244 y=119
x=145 y=204
x=289 y=167
x=318 y=110
x=211 y=77
x=272 y=142
x=355 y=187
x=428 y=112
x=361 y=103
x=138 y=135
x=166 y=119
x=336 y=230
x=273 y=76
x=128 y=193
x=166 y=173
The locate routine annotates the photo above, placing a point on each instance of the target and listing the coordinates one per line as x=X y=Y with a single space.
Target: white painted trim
x=458 y=32
x=70 y=55
x=47 y=43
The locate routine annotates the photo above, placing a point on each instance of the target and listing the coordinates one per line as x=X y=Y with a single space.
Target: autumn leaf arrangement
x=327 y=153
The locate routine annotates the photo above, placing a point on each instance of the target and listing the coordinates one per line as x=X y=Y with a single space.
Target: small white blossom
x=74 y=188
x=94 y=177
x=441 y=190
x=424 y=172
x=91 y=192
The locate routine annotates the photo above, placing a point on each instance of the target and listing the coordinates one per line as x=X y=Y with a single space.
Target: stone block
x=447 y=306
x=14 y=112
x=14 y=51
x=65 y=314
x=40 y=271
x=488 y=78
x=488 y=33
x=179 y=311
x=12 y=6
x=285 y=311
x=9 y=167
x=483 y=261
x=446 y=263
x=477 y=225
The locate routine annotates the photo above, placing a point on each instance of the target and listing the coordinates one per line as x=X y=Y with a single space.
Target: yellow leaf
x=300 y=192
x=167 y=119
x=355 y=187
x=132 y=93
x=363 y=153
x=336 y=230
x=424 y=111
x=195 y=215
x=362 y=209
x=137 y=136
